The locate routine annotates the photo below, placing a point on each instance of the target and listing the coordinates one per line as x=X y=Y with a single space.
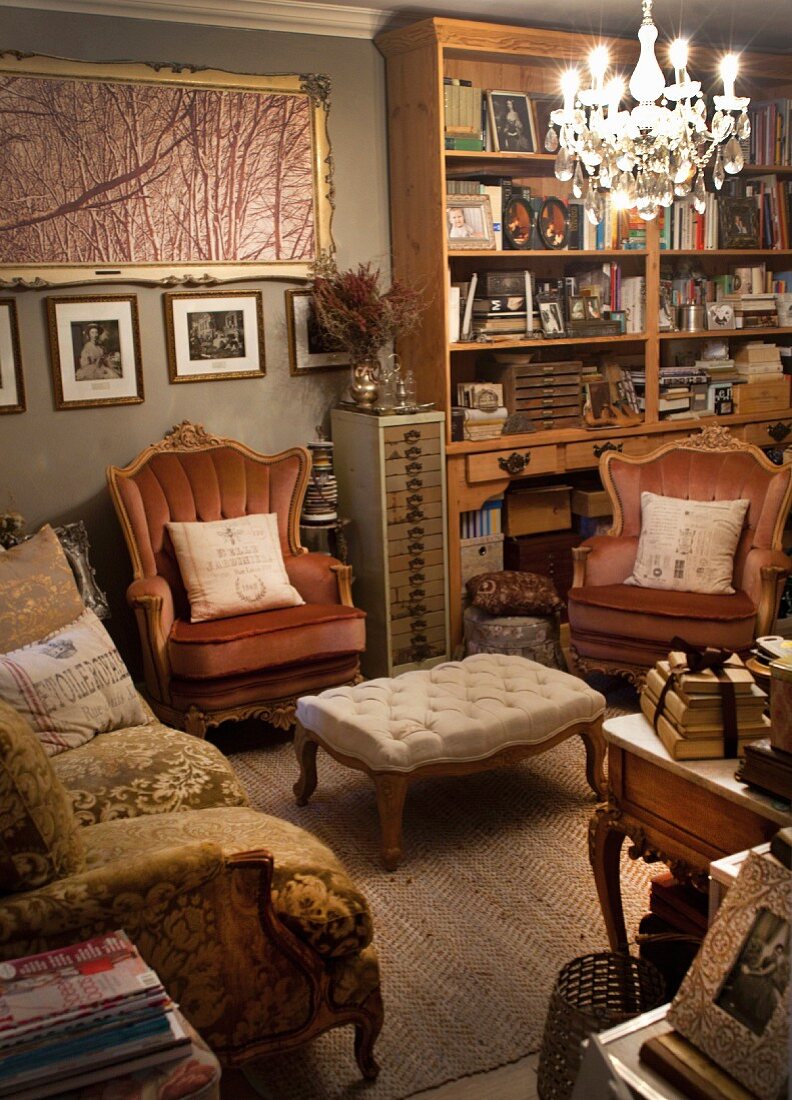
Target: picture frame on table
x=733 y=1002
x=469 y=222
x=12 y=384
x=309 y=349
x=95 y=351
x=518 y=223
x=214 y=336
x=510 y=122
x=553 y=223
x=720 y=315
x=593 y=307
x=738 y=221
x=551 y=319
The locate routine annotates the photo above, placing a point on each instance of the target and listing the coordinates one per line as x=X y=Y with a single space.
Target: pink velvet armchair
x=256 y=665
x=623 y=629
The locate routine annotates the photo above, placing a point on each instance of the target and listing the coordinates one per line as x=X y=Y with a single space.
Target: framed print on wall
x=212 y=336
x=161 y=174
x=12 y=386
x=95 y=351
x=308 y=347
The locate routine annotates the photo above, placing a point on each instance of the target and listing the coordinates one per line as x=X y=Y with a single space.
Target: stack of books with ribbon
x=81 y=1015
x=691 y=711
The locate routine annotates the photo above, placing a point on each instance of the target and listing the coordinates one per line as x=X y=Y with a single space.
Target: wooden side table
x=685 y=813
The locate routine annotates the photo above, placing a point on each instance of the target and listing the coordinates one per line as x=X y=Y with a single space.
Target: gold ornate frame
x=252 y=333
x=314 y=88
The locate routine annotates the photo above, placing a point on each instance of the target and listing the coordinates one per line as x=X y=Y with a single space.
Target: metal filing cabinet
x=391 y=483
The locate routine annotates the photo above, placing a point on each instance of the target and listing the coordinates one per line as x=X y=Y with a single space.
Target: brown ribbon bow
x=699 y=659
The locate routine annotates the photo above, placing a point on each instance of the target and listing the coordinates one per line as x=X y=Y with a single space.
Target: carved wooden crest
x=188 y=437
x=715 y=437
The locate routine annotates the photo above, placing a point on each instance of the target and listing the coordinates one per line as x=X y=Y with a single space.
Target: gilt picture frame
x=12 y=384
x=142 y=183
x=215 y=335
x=95 y=351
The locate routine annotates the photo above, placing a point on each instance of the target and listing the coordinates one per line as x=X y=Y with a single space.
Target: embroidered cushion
x=688 y=545
x=38 y=593
x=71 y=685
x=232 y=566
x=39 y=838
x=509 y=592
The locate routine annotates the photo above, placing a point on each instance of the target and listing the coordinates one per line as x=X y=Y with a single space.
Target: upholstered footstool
x=466 y=716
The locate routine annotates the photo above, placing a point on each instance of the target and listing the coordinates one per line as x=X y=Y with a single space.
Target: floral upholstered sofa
x=252 y=924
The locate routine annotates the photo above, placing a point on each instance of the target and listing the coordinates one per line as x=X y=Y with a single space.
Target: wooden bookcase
x=418 y=57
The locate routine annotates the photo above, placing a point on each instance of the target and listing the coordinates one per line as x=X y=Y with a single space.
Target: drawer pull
x=412 y=436
x=413 y=467
x=418 y=624
x=413 y=452
x=418 y=639
x=415 y=498
x=417 y=609
x=415 y=547
x=514 y=464
x=414 y=514
x=415 y=483
x=416 y=563
x=601 y=448
x=415 y=532
x=779 y=431
x=416 y=578
x=417 y=593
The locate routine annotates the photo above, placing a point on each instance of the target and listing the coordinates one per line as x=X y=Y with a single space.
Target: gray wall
x=52 y=463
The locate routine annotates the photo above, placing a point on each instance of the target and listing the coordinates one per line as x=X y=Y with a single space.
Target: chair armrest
x=320 y=578
x=604 y=559
x=763 y=576
x=152 y=601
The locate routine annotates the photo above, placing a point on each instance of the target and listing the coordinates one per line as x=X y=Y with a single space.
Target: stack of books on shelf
x=758 y=359
x=480 y=410
x=766 y=386
x=690 y=724
x=754 y=310
x=683 y=391
x=81 y=1015
x=463 y=115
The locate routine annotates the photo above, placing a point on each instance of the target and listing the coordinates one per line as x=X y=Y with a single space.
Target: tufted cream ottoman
x=460 y=717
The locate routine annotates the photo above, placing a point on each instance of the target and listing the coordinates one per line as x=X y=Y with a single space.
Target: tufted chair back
x=194 y=476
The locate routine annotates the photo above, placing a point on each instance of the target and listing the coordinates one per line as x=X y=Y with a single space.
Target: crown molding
x=296 y=16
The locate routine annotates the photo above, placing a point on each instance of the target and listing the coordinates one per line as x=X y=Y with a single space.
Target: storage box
x=760 y=397
x=591 y=502
x=534 y=637
x=482 y=555
x=530 y=511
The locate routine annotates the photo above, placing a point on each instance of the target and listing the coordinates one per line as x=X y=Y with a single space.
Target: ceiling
x=761 y=24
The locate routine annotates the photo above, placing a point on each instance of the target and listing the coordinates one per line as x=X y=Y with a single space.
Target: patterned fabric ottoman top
x=458 y=711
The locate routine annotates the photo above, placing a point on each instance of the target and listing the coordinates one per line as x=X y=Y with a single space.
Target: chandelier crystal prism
x=657 y=150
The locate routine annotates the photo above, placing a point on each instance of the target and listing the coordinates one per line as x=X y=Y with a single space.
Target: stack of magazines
x=80 y=1015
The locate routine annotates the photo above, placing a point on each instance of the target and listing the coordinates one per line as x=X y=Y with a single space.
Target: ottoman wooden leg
x=594 y=741
x=305 y=748
x=391 y=791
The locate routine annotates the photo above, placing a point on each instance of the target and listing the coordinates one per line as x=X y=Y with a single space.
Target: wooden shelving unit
x=528 y=60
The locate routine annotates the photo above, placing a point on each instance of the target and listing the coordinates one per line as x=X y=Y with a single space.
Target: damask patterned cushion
x=147 y=769
x=38 y=593
x=232 y=566
x=39 y=838
x=70 y=685
x=509 y=592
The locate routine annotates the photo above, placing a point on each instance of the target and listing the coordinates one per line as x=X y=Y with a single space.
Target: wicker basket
x=591 y=993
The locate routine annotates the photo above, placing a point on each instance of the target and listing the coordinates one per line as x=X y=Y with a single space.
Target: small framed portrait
x=734 y=1001
x=593 y=307
x=720 y=315
x=511 y=125
x=551 y=318
x=518 y=223
x=553 y=223
x=738 y=222
x=213 y=336
x=666 y=317
x=469 y=221
x=619 y=317
x=95 y=351
x=309 y=347
x=12 y=386
x=577 y=308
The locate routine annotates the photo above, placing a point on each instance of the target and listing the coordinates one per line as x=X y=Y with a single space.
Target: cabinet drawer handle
x=416 y=609
x=414 y=467
x=414 y=514
x=418 y=639
x=415 y=498
x=514 y=464
x=415 y=547
x=415 y=483
x=779 y=431
x=417 y=593
x=412 y=436
x=415 y=532
x=418 y=624
x=416 y=563
x=600 y=448
x=416 y=578
x=413 y=452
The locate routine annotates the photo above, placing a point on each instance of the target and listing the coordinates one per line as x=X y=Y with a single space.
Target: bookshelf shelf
x=708 y=334
x=560 y=341
x=728 y=253
x=546 y=253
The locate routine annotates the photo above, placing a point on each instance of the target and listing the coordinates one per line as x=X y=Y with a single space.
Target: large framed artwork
x=159 y=175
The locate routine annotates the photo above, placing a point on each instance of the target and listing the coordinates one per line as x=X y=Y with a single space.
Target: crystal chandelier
x=657 y=150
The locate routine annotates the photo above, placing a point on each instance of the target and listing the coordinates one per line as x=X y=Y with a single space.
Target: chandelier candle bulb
x=729 y=68
x=678 y=56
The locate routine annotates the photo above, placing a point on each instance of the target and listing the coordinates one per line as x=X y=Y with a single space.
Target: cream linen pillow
x=688 y=545
x=71 y=685
x=232 y=566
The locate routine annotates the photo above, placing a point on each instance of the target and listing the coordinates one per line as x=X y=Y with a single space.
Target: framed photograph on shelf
x=95 y=351
x=593 y=307
x=551 y=318
x=510 y=121
x=213 y=336
x=518 y=223
x=739 y=222
x=12 y=385
x=720 y=315
x=553 y=223
x=733 y=1003
x=469 y=222
x=309 y=349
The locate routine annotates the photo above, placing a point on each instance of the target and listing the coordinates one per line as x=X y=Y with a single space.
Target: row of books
x=771 y=132
x=476 y=119
x=81 y=1015
x=483 y=521
x=697 y=289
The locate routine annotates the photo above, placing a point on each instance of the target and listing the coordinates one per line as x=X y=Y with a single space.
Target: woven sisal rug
x=494 y=895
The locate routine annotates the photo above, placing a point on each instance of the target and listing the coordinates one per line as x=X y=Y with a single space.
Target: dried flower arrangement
x=356 y=315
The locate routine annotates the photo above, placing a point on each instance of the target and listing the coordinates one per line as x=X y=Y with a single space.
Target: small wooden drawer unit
x=391 y=482
x=549 y=393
